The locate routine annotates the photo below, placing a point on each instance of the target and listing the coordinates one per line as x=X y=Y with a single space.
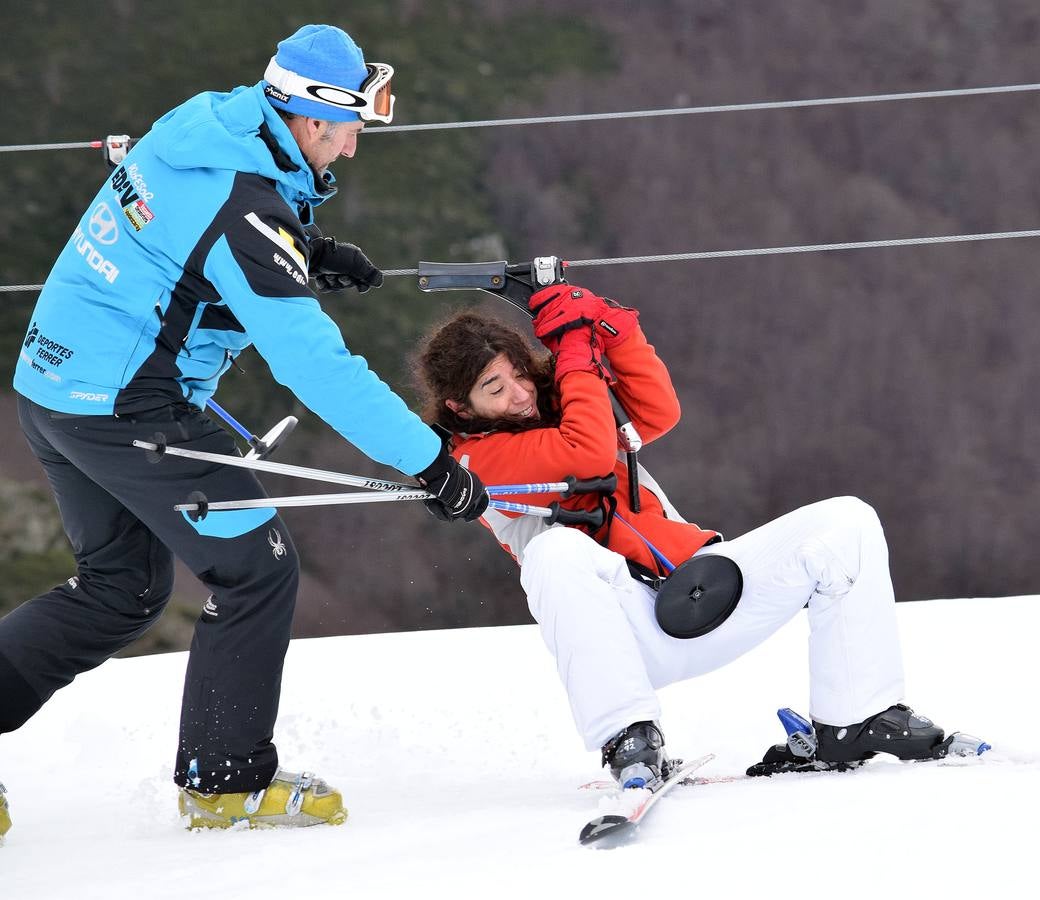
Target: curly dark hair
x=451 y=358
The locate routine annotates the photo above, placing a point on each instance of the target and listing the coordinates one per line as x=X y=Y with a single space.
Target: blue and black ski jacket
x=193 y=249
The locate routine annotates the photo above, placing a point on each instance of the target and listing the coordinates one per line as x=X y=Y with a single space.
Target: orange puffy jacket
x=585 y=445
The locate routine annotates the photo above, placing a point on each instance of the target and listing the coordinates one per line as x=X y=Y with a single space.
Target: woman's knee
x=850 y=513
x=849 y=535
x=848 y=508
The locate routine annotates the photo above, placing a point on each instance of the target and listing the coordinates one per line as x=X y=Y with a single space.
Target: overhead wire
x=634 y=114
x=728 y=107
x=69 y=145
x=724 y=254
x=774 y=251
x=689 y=110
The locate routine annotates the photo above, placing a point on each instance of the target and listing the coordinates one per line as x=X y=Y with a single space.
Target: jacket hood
x=223 y=131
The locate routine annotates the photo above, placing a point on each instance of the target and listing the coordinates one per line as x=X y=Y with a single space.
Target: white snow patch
x=459 y=763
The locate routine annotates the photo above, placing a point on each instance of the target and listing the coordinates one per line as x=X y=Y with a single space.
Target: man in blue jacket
x=199 y=244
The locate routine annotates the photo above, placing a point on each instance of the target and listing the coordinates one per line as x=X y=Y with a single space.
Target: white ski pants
x=598 y=622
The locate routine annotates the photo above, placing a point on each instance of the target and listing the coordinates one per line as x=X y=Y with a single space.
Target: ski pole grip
x=605 y=484
x=592 y=517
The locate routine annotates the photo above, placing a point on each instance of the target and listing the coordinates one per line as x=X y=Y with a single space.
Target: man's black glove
x=335 y=266
x=457 y=492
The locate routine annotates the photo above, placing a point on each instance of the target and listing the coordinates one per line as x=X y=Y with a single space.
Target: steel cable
x=636 y=114
x=724 y=254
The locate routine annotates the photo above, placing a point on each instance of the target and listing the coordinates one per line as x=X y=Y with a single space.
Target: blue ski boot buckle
x=801 y=736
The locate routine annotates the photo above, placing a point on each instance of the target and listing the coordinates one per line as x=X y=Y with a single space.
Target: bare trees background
x=905 y=375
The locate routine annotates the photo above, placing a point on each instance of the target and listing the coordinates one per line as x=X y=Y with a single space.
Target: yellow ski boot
x=290 y=800
x=5 y=814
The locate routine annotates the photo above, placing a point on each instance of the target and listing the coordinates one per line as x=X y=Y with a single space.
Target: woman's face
x=501 y=391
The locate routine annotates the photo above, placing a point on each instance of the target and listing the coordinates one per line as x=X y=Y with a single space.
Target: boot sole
x=197 y=821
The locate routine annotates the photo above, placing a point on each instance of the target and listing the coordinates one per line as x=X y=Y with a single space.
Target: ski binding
x=802 y=745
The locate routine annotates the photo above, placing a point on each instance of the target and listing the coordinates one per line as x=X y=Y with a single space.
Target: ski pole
x=198 y=506
x=604 y=484
x=230 y=419
x=261 y=447
x=568 y=486
x=593 y=518
x=159 y=448
x=657 y=554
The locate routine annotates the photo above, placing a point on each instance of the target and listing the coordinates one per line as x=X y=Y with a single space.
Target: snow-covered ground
x=460 y=766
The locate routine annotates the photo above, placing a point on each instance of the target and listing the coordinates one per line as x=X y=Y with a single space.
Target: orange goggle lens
x=381 y=103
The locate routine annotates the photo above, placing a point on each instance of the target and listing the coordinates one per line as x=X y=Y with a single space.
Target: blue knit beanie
x=322 y=53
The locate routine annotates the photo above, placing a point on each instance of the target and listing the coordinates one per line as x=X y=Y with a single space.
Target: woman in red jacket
x=519 y=417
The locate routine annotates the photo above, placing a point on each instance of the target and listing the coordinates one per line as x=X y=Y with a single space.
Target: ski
x=798 y=756
x=953 y=760
x=631 y=805
x=603 y=785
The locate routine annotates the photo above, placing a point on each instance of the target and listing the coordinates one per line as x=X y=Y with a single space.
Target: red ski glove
x=579 y=350
x=561 y=308
x=558 y=309
x=615 y=322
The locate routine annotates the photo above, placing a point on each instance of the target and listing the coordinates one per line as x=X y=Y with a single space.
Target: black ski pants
x=117 y=509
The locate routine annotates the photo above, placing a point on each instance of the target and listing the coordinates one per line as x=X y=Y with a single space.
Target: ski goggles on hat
x=372 y=101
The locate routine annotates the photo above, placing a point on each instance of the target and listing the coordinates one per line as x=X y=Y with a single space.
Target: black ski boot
x=636 y=756
x=812 y=747
x=898 y=730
